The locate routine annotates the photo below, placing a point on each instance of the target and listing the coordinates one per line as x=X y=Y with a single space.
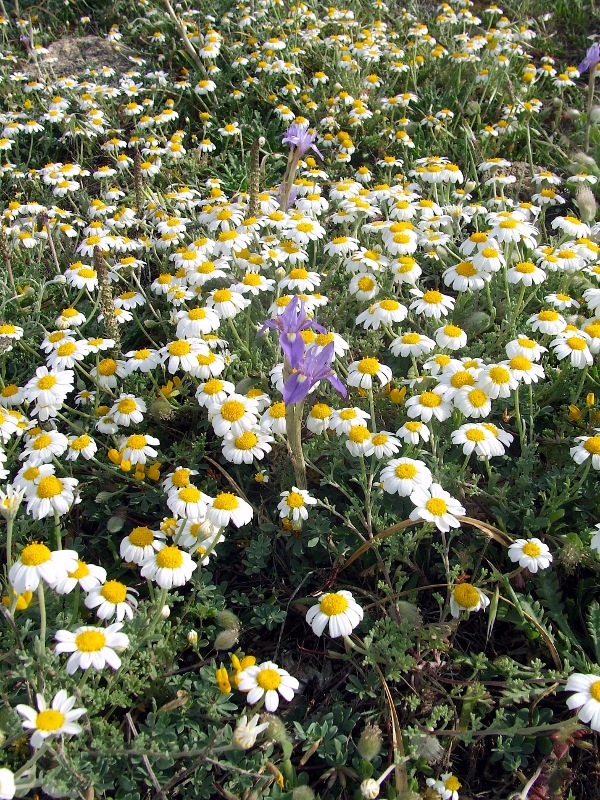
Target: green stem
x=9 y=532
x=42 y=607
x=590 y=103
x=518 y=419
x=57 y=535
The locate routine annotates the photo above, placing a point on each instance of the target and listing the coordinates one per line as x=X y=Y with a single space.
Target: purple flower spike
x=289 y=324
x=313 y=369
x=592 y=58
x=298 y=136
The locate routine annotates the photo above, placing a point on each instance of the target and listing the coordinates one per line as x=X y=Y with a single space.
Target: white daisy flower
x=403 y=476
x=82 y=445
x=496 y=380
x=339 y=610
x=37 y=562
x=138 y=448
x=429 y=404
x=196 y=322
x=547 y=321
x=57 y=720
x=227 y=303
x=253 y=444
x=246 y=732
x=532 y=554
x=446 y=786
x=169 y=566
x=473 y=436
x=385 y=312
x=227 y=507
x=437 y=506
x=588 y=446
x=67 y=354
x=466 y=597
x=128 y=410
x=51 y=494
x=7 y=784
x=199 y=537
x=343 y=419
x=472 y=402
x=91 y=647
x=524 y=370
x=411 y=343
x=293 y=504
x=431 y=303
x=574 y=346
x=586 y=698
x=359 y=440
x=237 y=414
x=413 y=432
x=361 y=373
x=42 y=448
x=188 y=502
x=140 y=544
x=451 y=337
x=87 y=576
x=382 y=445
x=183 y=354
x=269 y=681
x=112 y=599
x=274 y=419
x=214 y=392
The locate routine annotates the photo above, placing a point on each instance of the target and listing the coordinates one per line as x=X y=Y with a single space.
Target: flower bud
x=192 y=637
x=581 y=158
x=165 y=612
x=303 y=793
x=227 y=619
x=227 y=639
x=276 y=730
x=595 y=115
x=370 y=742
x=586 y=202
x=369 y=789
x=572 y=113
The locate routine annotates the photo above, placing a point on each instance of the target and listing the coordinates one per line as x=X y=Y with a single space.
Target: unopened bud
x=303 y=793
x=276 y=730
x=227 y=619
x=192 y=637
x=473 y=108
x=369 y=789
x=586 y=202
x=165 y=612
x=595 y=115
x=581 y=158
x=572 y=113
x=370 y=742
x=226 y=640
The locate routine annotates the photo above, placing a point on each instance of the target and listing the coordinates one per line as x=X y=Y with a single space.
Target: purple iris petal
x=289 y=324
x=299 y=136
x=592 y=58
x=313 y=369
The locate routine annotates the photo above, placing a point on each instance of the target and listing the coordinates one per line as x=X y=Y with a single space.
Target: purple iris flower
x=298 y=136
x=289 y=324
x=313 y=369
x=592 y=58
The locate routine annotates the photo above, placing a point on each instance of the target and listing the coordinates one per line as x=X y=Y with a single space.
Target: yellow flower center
x=453 y=330
x=42 y=441
x=379 y=439
x=520 y=363
x=90 y=641
x=170 y=557
x=66 y=349
x=47 y=382
x=127 y=406
x=49 y=486
x=82 y=571
x=509 y=224
x=489 y=252
x=253 y=279
x=246 y=441
x=433 y=297
x=477 y=398
x=462 y=378
x=347 y=413
x=389 y=305
x=232 y=410
x=532 y=549
x=206 y=360
x=475 y=435
x=49 y=720
x=525 y=267
x=136 y=442
x=405 y=471
x=358 y=434
x=499 y=375
x=225 y=501
x=268 y=679
x=592 y=446
x=190 y=494
x=298 y=274
x=141 y=537
x=31 y=473
x=320 y=411
x=452 y=784
x=548 y=315
x=365 y=284
x=107 y=366
x=277 y=410
x=575 y=343
x=595 y=690
x=436 y=506
x=114 y=592
x=222 y=296
x=466 y=596
x=411 y=338
x=430 y=399
x=295 y=500
x=368 y=366
x=6 y=330
x=465 y=269
x=181 y=478
x=35 y=554
x=179 y=348
x=333 y=604
x=140 y=355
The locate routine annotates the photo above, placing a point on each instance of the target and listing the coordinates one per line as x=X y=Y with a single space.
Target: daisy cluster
x=371 y=306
